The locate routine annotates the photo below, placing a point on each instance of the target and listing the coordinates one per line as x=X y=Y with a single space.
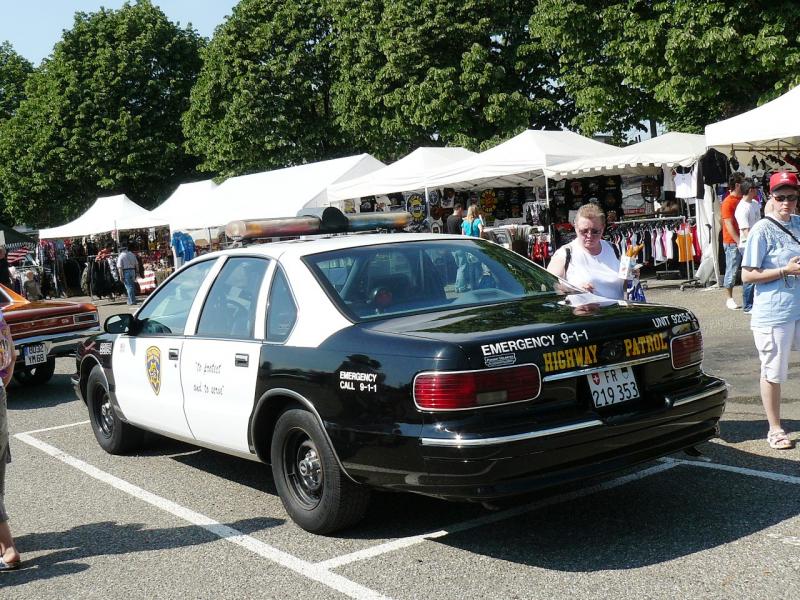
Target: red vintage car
x=43 y=330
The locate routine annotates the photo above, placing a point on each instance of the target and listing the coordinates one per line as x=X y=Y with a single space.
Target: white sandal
x=778 y=440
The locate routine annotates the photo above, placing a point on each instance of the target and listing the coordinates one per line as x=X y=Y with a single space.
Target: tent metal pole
x=546 y=188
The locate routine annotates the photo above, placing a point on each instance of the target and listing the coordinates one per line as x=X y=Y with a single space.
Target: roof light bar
x=316 y=221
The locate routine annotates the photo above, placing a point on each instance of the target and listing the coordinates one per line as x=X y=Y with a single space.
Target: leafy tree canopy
x=683 y=62
x=262 y=100
x=14 y=72
x=439 y=72
x=102 y=116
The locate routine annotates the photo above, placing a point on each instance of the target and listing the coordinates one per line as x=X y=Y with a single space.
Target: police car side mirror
x=121 y=323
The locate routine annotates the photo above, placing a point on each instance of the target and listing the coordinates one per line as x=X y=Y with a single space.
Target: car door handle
x=242 y=360
x=173 y=354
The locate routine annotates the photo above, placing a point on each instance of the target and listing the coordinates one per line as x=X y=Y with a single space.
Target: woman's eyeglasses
x=786 y=198
x=591 y=231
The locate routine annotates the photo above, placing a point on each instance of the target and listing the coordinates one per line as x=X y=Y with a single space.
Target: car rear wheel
x=313 y=489
x=37 y=374
x=114 y=435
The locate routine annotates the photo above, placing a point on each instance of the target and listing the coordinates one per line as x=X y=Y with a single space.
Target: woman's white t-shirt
x=601 y=270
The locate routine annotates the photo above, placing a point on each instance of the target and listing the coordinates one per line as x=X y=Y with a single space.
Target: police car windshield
x=412 y=276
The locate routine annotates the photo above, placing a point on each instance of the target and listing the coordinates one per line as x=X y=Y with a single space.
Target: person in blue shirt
x=772 y=262
x=473 y=224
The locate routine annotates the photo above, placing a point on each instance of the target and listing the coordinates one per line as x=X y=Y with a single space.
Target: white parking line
x=405 y=542
x=791 y=540
x=738 y=470
x=54 y=428
x=306 y=569
x=321 y=571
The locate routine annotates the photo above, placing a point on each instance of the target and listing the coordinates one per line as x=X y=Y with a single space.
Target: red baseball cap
x=783 y=179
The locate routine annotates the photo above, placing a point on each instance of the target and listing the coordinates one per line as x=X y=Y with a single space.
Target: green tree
x=579 y=32
x=14 y=72
x=682 y=62
x=102 y=116
x=262 y=100
x=439 y=72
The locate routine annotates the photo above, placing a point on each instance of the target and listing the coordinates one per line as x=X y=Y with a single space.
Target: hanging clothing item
x=669 y=248
x=683 y=185
x=698 y=249
x=712 y=169
x=685 y=246
x=669 y=179
x=659 y=255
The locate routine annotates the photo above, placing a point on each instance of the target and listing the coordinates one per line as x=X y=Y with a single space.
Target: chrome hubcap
x=310 y=469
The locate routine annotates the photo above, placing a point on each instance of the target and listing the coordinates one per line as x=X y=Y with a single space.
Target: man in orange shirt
x=730 y=237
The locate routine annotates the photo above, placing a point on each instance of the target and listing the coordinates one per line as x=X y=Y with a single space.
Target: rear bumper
x=56 y=344
x=483 y=468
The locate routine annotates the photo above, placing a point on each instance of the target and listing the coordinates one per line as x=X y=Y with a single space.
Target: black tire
x=114 y=435
x=313 y=489
x=35 y=375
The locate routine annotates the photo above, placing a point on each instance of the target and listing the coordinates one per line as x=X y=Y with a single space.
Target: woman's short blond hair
x=591 y=211
x=472 y=212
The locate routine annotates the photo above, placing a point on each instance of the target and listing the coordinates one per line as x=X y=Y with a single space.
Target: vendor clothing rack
x=668 y=222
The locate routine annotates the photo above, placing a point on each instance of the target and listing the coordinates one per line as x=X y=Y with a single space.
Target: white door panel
x=148 y=382
x=219 y=382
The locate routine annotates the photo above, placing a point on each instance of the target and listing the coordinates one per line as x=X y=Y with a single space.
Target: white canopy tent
x=407 y=174
x=519 y=161
x=188 y=204
x=770 y=127
x=283 y=192
x=647 y=157
x=110 y=213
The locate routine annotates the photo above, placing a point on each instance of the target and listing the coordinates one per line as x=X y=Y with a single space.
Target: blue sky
x=34 y=26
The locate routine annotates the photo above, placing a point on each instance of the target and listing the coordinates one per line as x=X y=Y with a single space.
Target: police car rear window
x=395 y=279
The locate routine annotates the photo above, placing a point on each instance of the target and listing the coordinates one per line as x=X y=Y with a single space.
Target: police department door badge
x=153 y=362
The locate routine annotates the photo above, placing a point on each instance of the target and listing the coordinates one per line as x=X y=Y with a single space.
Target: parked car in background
x=43 y=330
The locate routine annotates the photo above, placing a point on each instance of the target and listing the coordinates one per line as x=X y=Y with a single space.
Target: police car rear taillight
x=475 y=389
x=686 y=350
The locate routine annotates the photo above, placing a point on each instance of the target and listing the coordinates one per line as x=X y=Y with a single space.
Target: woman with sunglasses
x=588 y=262
x=772 y=262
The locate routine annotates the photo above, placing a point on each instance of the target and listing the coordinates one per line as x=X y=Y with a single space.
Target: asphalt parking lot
x=178 y=522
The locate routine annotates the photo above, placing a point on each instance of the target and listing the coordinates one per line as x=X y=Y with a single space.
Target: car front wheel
x=313 y=489
x=114 y=435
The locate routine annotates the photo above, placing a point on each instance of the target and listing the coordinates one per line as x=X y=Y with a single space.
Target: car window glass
x=281 y=311
x=230 y=308
x=393 y=279
x=167 y=311
x=336 y=270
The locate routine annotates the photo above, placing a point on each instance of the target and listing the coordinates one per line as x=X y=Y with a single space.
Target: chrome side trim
x=589 y=370
x=65 y=336
x=697 y=396
x=506 y=439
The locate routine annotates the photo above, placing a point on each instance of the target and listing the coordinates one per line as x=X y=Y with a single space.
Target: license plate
x=35 y=354
x=612 y=386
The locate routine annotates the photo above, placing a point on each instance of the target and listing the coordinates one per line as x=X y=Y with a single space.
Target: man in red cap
x=772 y=262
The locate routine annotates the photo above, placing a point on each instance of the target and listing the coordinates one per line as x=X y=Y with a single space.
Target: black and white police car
x=442 y=365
